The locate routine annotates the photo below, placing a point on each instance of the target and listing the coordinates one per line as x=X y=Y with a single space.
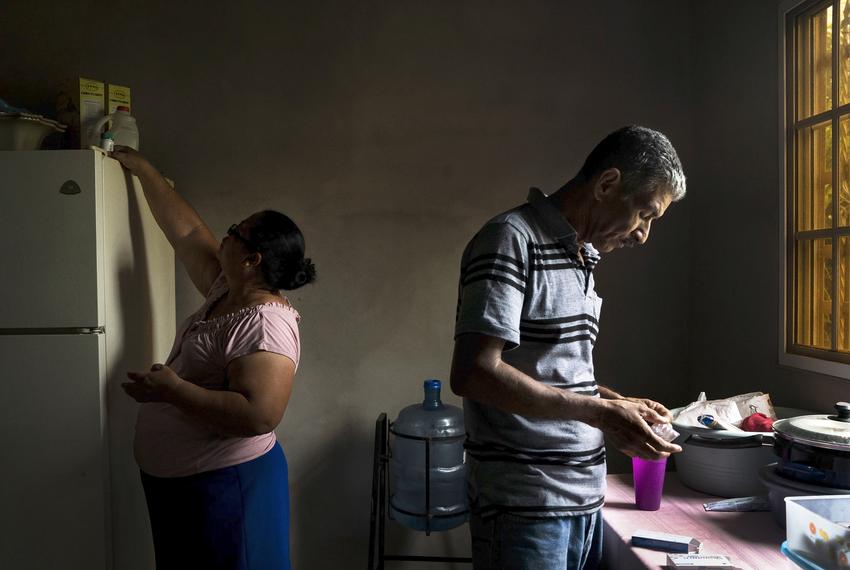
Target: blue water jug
x=428 y=438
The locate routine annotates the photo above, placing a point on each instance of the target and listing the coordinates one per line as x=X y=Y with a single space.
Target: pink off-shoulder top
x=169 y=443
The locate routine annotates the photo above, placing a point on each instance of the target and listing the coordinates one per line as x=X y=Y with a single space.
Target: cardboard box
x=702 y=561
x=117 y=95
x=79 y=104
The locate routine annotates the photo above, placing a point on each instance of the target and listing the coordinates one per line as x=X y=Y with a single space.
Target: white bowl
x=20 y=132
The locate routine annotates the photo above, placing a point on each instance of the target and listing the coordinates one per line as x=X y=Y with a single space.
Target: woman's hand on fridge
x=158 y=385
x=132 y=160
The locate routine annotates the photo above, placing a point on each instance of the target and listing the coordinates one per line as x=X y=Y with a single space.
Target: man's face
x=624 y=221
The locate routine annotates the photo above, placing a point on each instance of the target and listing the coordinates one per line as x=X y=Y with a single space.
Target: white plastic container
x=816 y=529
x=124 y=129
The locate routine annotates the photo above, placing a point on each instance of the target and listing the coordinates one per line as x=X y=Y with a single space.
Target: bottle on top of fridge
x=124 y=129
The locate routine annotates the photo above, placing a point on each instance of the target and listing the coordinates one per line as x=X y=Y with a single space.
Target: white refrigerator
x=86 y=293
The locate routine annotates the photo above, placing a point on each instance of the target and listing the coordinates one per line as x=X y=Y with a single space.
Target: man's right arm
x=479 y=373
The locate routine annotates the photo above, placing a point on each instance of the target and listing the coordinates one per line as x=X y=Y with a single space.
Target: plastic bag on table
x=755 y=402
x=724 y=410
x=730 y=410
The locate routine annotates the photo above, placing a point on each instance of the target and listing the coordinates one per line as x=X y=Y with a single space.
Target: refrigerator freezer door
x=49 y=226
x=53 y=453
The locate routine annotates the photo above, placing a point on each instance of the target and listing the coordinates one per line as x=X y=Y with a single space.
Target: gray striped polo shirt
x=523 y=281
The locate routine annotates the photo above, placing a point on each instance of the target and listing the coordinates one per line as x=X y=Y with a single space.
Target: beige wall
x=390 y=131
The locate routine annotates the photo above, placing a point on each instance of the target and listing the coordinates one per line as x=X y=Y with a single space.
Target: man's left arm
x=610 y=394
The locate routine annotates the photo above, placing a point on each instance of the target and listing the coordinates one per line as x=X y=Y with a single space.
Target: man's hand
x=158 y=385
x=625 y=423
x=655 y=406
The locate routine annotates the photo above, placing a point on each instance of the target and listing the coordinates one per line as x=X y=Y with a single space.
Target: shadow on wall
x=329 y=497
x=132 y=528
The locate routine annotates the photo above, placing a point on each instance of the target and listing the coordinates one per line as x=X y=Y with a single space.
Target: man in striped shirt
x=528 y=317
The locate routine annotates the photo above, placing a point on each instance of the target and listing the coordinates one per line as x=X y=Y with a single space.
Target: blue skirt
x=235 y=518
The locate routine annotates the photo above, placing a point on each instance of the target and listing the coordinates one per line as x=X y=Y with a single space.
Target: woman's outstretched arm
x=193 y=243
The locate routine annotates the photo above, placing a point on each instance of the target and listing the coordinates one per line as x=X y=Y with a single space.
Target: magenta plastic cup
x=649 y=482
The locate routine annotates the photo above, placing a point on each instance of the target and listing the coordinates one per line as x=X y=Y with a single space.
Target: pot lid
x=826 y=430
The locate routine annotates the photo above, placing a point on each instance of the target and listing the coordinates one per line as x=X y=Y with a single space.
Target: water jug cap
x=124 y=108
x=107 y=135
x=432 y=384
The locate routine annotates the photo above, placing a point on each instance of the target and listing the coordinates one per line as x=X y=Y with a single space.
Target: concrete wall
x=390 y=131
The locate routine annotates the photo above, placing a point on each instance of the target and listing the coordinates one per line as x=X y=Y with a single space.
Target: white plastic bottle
x=124 y=129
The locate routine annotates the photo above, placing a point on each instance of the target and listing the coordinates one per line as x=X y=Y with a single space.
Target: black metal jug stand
x=380 y=501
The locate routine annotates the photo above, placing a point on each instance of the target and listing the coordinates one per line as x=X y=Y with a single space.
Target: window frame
x=828 y=362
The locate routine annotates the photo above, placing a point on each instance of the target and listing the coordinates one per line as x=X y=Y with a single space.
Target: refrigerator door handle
x=54 y=330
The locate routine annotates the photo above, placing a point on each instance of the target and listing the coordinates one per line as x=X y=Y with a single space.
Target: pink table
x=751 y=539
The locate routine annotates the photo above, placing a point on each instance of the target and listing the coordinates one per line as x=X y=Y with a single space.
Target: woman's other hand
x=158 y=385
x=132 y=160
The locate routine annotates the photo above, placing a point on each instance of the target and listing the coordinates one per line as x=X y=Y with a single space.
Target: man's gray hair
x=645 y=158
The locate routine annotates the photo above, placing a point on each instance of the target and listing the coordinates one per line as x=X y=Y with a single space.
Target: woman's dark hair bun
x=301 y=274
x=281 y=244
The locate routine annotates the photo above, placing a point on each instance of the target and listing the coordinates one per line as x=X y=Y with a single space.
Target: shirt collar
x=557 y=225
x=552 y=219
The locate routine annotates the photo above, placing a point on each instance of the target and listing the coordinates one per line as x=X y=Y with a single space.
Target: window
x=817 y=180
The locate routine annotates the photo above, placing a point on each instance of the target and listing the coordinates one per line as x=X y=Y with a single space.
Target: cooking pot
x=814 y=449
x=724 y=462
x=780 y=487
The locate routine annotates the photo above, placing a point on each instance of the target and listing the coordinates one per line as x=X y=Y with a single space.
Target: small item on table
x=664 y=431
x=705 y=561
x=739 y=505
x=665 y=541
x=757 y=422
